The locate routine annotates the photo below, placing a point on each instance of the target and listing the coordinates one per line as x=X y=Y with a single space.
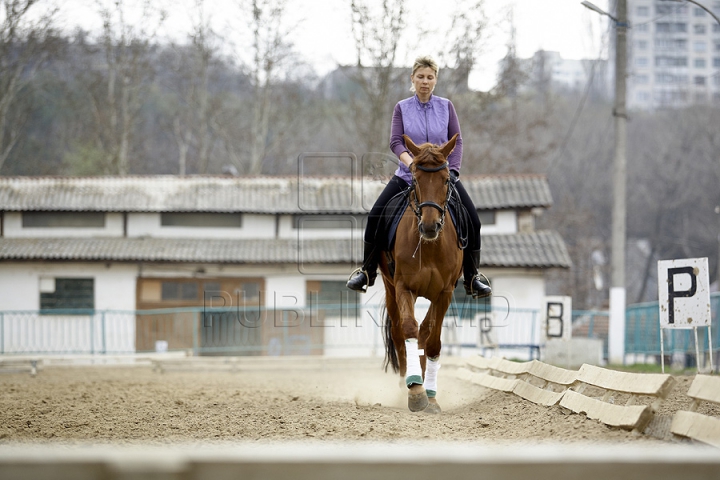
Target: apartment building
x=673 y=54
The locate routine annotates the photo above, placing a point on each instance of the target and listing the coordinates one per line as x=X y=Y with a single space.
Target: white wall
x=505 y=222
x=26 y=331
x=354 y=229
x=114 y=285
x=12 y=228
x=148 y=224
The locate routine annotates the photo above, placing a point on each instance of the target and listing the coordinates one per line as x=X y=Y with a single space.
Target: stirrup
x=476 y=294
x=358 y=270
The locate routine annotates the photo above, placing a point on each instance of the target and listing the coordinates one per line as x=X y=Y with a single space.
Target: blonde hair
x=425 y=61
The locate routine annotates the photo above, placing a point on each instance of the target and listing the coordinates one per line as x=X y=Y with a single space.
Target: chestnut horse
x=427 y=263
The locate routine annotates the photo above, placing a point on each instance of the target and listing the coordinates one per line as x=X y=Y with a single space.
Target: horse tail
x=391 y=358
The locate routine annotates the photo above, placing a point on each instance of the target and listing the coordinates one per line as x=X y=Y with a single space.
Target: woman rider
x=425 y=118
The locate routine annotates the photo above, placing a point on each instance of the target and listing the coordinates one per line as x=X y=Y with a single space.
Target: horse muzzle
x=430 y=231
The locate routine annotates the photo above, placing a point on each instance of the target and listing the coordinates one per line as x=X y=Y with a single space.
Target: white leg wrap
x=431 y=371
x=414 y=370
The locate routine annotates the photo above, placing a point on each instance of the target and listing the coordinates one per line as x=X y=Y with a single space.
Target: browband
x=431 y=170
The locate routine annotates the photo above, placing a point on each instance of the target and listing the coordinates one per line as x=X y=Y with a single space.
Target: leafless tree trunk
x=117 y=94
x=196 y=108
x=377 y=37
x=24 y=47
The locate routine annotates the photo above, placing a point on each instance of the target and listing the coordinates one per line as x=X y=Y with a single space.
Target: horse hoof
x=433 y=408
x=417 y=402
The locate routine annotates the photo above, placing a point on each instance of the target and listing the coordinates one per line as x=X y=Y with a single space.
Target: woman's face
x=424 y=80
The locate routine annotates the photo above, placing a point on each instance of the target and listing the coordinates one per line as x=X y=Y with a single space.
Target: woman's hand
x=406 y=158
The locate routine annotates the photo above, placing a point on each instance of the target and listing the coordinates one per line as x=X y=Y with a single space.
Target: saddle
x=395 y=209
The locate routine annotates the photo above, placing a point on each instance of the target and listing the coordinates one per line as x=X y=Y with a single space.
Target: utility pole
x=616 y=345
x=616 y=335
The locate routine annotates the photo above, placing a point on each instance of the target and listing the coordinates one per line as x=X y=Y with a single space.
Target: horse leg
x=396 y=336
x=432 y=345
x=417 y=397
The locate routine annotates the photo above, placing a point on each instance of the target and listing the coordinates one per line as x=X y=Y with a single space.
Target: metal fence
x=340 y=330
x=642 y=330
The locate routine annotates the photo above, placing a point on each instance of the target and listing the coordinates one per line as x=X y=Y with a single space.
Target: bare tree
x=26 y=31
x=377 y=35
x=118 y=86
x=196 y=108
x=464 y=42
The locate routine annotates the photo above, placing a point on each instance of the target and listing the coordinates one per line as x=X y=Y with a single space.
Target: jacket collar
x=420 y=104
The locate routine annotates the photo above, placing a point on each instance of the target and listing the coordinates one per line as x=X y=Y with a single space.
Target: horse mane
x=429 y=156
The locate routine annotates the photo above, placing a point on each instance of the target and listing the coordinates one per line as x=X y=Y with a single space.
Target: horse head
x=431 y=184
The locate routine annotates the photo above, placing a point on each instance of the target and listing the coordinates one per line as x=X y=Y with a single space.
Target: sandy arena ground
x=137 y=405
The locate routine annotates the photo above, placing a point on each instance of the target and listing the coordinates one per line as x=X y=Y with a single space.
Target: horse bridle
x=417 y=207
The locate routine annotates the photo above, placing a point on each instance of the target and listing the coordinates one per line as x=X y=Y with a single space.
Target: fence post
x=196 y=328
x=102 y=333
x=2 y=333
x=92 y=333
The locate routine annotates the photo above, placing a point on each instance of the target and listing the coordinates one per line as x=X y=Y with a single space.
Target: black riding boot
x=473 y=285
x=364 y=277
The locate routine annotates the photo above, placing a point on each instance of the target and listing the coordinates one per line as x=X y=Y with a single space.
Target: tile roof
x=532 y=250
x=242 y=194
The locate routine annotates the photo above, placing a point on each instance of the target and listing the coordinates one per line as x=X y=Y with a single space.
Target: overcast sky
x=324 y=38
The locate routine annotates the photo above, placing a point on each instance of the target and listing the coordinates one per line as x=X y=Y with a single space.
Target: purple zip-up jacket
x=434 y=122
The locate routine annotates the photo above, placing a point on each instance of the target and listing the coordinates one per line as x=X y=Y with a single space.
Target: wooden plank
x=552 y=373
x=655 y=384
x=479 y=363
x=634 y=417
x=496 y=383
x=697 y=426
x=508 y=367
x=706 y=388
x=537 y=395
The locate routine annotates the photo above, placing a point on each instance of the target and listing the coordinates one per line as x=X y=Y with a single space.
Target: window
x=67 y=294
x=699 y=80
x=662 y=61
x=642 y=27
x=699 y=29
x=642 y=44
x=699 y=63
x=642 y=79
x=63 y=220
x=487 y=217
x=671 y=44
x=699 y=12
x=642 y=97
x=643 y=11
x=179 y=291
x=208 y=220
x=699 y=47
x=716 y=28
x=641 y=61
x=342 y=222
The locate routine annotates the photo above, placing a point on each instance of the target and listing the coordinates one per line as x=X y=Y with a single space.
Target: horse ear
x=447 y=149
x=411 y=146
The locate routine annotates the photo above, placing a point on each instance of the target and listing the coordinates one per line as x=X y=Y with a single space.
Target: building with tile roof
x=140 y=243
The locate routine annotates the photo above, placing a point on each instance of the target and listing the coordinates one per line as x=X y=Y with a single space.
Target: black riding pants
x=397 y=185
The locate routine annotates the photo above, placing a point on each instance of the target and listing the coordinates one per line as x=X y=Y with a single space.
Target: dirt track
x=135 y=404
